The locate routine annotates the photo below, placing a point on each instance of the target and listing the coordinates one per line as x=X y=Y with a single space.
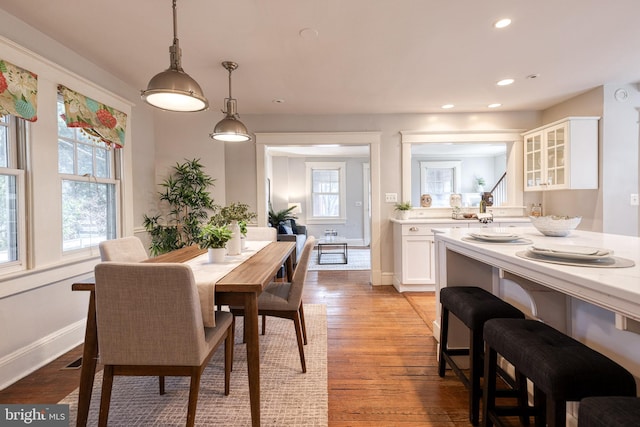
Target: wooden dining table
x=240 y=287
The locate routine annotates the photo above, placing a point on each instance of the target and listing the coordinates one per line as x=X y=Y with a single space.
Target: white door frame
x=372 y=139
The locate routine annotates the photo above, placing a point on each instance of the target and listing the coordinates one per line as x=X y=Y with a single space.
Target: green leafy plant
x=279 y=217
x=186 y=192
x=243 y=227
x=214 y=236
x=237 y=212
x=403 y=206
x=480 y=182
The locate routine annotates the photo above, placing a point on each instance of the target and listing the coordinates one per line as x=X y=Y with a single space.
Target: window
x=88 y=171
x=440 y=180
x=326 y=183
x=12 y=195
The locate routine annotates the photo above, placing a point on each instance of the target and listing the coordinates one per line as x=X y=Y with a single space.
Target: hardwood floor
x=381 y=358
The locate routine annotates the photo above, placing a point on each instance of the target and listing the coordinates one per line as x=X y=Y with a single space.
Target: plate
x=571 y=252
x=495 y=236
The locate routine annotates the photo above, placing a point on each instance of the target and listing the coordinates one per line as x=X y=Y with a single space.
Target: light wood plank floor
x=381 y=358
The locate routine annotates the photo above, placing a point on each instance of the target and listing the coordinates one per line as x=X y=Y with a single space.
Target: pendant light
x=173 y=89
x=230 y=128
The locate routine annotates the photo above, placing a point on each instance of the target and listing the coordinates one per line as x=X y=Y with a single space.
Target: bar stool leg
x=444 y=332
x=489 y=388
x=540 y=403
x=475 y=392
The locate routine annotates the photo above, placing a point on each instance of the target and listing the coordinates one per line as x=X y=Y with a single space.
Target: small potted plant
x=214 y=238
x=403 y=209
x=233 y=215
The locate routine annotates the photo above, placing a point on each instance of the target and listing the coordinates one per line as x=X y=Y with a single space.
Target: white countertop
x=447 y=220
x=617 y=289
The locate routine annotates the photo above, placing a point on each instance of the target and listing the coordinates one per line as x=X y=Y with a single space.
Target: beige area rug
x=288 y=397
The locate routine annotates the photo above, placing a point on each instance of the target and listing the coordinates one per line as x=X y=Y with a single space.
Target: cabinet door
x=533 y=167
x=555 y=155
x=417 y=260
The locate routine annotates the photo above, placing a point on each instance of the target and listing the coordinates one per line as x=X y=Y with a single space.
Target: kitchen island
x=599 y=306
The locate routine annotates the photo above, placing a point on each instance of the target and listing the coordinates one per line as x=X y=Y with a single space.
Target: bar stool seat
x=615 y=411
x=473 y=306
x=561 y=368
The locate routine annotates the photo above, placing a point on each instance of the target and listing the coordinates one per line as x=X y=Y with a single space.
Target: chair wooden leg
x=233 y=340
x=194 y=389
x=228 y=361
x=161 y=384
x=475 y=392
x=298 y=326
x=304 y=325
x=264 y=324
x=105 y=400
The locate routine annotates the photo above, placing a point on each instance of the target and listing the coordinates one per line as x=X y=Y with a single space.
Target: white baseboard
x=30 y=358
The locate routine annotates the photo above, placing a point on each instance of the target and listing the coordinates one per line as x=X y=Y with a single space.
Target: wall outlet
x=633 y=200
x=391 y=197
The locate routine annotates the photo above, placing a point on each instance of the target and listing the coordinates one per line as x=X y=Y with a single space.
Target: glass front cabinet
x=550 y=152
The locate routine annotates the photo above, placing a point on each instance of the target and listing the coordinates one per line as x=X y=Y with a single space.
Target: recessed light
x=447 y=106
x=308 y=33
x=504 y=22
x=277 y=101
x=496 y=105
x=533 y=76
x=505 y=82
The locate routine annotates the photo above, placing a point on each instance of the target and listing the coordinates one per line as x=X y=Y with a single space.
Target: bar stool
x=560 y=368
x=614 y=411
x=473 y=306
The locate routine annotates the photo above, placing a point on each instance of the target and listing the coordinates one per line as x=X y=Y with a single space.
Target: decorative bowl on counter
x=554 y=225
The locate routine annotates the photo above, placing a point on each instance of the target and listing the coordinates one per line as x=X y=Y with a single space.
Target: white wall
x=47 y=319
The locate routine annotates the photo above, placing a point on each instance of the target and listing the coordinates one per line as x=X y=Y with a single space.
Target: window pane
x=88 y=216
x=63 y=130
x=65 y=157
x=325 y=181
x=85 y=159
x=8 y=219
x=102 y=163
x=326 y=205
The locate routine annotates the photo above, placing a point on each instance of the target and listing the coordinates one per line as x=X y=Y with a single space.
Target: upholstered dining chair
x=284 y=299
x=150 y=324
x=262 y=233
x=125 y=249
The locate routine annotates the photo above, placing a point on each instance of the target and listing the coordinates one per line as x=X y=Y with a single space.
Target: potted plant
x=480 y=183
x=279 y=217
x=234 y=214
x=214 y=238
x=403 y=209
x=186 y=192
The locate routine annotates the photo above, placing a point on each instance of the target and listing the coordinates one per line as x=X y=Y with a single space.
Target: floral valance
x=98 y=120
x=18 y=91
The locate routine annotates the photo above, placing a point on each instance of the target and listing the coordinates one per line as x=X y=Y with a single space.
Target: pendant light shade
x=173 y=89
x=230 y=129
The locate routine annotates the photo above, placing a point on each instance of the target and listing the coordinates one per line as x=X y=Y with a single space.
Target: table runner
x=207 y=274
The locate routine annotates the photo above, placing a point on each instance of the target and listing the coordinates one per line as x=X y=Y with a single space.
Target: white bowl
x=556 y=226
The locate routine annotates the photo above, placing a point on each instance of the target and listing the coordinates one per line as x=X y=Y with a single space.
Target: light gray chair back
x=125 y=249
x=300 y=273
x=148 y=314
x=268 y=234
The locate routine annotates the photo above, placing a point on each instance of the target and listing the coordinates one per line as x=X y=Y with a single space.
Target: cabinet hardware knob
x=413 y=229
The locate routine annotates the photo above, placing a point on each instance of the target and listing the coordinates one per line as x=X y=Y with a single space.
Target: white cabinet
x=414 y=260
x=413 y=250
x=562 y=155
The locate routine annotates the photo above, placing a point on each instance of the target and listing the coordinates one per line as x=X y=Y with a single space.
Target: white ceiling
x=370 y=56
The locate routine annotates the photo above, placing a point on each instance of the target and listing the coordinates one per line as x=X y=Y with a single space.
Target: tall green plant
x=279 y=217
x=187 y=193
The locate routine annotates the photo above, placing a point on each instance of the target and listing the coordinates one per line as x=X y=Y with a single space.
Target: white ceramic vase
x=234 y=246
x=216 y=255
x=404 y=214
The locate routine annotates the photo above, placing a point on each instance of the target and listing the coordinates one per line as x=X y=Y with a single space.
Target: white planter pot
x=243 y=241
x=234 y=246
x=404 y=214
x=216 y=255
